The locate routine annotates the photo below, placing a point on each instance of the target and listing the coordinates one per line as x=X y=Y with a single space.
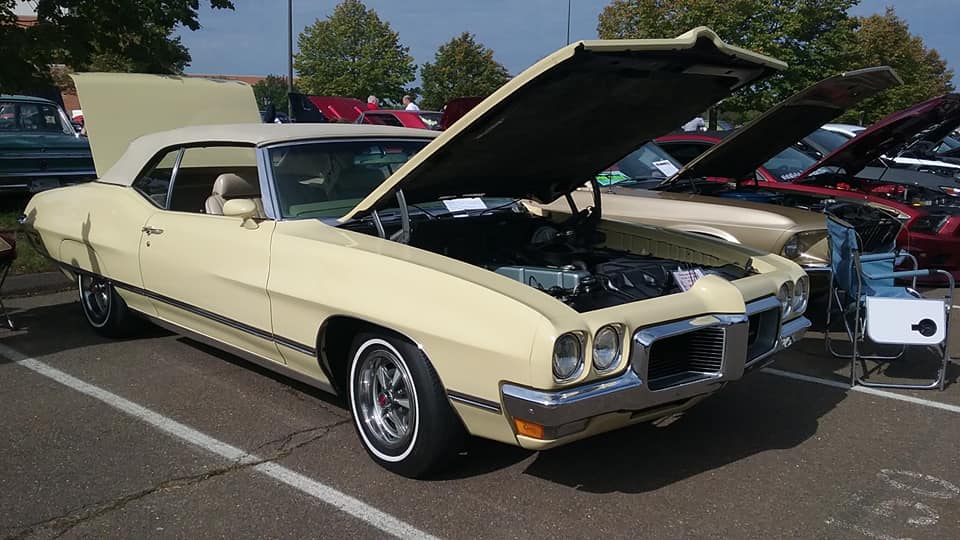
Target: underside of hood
x=786 y=123
x=931 y=121
x=570 y=115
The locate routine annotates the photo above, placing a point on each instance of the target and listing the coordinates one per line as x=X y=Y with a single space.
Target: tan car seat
x=231 y=186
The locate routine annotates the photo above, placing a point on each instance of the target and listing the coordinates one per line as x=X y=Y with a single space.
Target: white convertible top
x=144 y=148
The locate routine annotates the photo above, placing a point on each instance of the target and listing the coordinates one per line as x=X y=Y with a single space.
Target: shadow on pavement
x=54 y=328
x=756 y=415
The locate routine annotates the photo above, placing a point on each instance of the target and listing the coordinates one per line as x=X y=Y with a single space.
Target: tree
x=886 y=40
x=272 y=89
x=353 y=53
x=812 y=36
x=127 y=35
x=461 y=67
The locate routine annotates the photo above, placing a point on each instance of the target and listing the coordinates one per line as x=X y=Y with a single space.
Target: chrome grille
x=684 y=357
x=764 y=329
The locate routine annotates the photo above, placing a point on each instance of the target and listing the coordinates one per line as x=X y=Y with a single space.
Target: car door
x=207 y=272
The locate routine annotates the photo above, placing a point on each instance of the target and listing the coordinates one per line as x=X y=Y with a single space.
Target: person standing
x=695 y=124
x=408 y=104
x=373 y=103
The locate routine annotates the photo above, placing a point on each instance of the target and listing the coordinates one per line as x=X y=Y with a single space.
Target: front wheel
x=105 y=311
x=400 y=409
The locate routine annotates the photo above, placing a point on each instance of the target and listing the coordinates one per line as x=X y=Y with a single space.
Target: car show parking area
x=163 y=437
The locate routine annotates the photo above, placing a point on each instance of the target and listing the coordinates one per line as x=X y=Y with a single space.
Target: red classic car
x=401 y=118
x=760 y=163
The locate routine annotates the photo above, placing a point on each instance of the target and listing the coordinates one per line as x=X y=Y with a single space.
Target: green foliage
x=461 y=67
x=272 y=89
x=886 y=40
x=353 y=53
x=812 y=36
x=127 y=35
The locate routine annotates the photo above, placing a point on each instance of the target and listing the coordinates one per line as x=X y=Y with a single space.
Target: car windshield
x=327 y=179
x=649 y=162
x=948 y=143
x=33 y=117
x=788 y=164
x=828 y=140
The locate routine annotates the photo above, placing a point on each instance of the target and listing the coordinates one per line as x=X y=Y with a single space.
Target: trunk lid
x=119 y=107
x=590 y=103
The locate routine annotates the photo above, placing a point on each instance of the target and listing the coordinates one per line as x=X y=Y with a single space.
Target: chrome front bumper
x=565 y=412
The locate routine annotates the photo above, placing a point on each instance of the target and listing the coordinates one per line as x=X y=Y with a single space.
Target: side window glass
x=154 y=184
x=30 y=117
x=50 y=119
x=209 y=176
x=8 y=117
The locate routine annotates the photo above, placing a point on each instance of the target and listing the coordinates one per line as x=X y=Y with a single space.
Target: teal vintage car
x=39 y=148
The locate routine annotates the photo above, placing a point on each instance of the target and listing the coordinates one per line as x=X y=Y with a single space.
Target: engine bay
x=562 y=260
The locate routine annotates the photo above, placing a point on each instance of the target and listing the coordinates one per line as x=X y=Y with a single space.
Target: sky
x=253 y=39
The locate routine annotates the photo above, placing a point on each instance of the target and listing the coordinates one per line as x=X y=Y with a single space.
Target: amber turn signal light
x=528 y=429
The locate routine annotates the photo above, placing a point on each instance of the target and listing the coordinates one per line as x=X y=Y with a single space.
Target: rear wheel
x=400 y=409
x=105 y=311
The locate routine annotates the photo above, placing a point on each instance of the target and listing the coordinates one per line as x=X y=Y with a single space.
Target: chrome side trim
x=216 y=317
x=248 y=356
x=473 y=401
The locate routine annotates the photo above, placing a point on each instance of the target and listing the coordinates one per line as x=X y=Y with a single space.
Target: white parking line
x=863 y=389
x=350 y=505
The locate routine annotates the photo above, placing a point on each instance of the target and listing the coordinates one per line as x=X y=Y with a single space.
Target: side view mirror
x=244 y=209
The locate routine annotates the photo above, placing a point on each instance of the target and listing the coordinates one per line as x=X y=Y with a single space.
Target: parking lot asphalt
x=163 y=437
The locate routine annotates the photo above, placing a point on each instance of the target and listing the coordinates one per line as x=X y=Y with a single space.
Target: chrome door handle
x=151 y=230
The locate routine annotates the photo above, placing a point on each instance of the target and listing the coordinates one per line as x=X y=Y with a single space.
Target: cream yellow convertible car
x=398 y=268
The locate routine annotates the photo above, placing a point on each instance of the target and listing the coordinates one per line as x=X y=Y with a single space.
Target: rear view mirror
x=244 y=209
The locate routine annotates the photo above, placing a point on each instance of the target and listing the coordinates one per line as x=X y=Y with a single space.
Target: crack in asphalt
x=60 y=525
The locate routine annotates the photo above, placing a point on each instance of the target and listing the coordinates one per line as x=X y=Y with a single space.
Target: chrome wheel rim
x=95 y=294
x=385 y=401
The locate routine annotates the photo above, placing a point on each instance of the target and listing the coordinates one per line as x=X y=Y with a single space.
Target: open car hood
x=119 y=107
x=931 y=121
x=786 y=123
x=570 y=115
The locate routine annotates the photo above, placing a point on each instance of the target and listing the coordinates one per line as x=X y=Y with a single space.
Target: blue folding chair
x=874 y=308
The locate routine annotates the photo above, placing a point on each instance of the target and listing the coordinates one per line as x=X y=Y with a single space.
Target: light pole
x=568 y=22
x=289 y=57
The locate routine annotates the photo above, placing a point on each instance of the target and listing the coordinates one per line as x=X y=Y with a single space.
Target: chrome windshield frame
x=268 y=187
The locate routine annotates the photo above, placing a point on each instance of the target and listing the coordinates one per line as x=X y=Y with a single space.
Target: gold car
x=398 y=268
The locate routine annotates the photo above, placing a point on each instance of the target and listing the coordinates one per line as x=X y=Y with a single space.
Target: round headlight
x=791 y=249
x=567 y=357
x=801 y=293
x=785 y=296
x=606 y=348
